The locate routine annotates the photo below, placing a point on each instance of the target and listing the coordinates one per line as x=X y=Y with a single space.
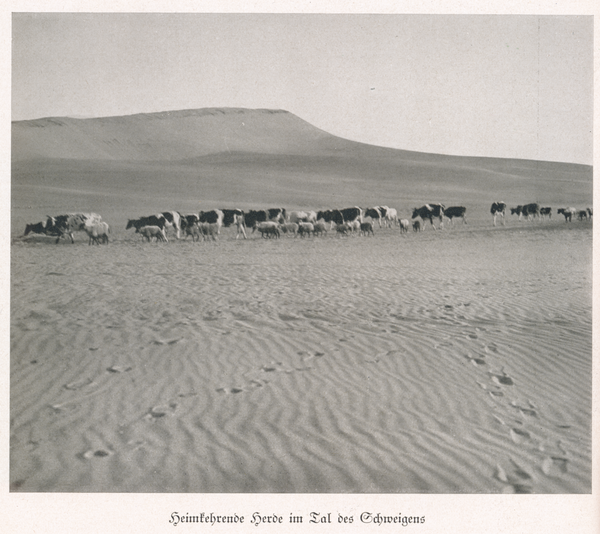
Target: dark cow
x=455 y=212
x=582 y=215
x=253 y=217
x=498 y=209
x=528 y=210
x=567 y=212
x=352 y=214
x=366 y=228
x=546 y=212
x=46 y=227
x=151 y=220
x=334 y=217
x=590 y=212
x=428 y=212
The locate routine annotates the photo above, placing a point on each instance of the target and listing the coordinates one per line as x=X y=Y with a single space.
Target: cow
x=455 y=212
x=150 y=231
x=528 y=210
x=235 y=217
x=567 y=212
x=151 y=220
x=352 y=214
x=366 y=228
x=173 y=220
x=546 y=212
x=305 y=228
x=531 y=211
x=582 y=215
x=253 y=217
x=374 y=213
x=42 y=228
x=333 y=217
x=498 y=209
x=404 y=225
x=590 y=212
x=66 y=225
x=428 y=212
x=189 y=224
x=97 y=232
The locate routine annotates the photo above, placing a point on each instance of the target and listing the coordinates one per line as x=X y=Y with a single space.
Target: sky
x=515 y=86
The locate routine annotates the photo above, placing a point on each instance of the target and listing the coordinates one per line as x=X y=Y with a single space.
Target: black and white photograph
x=300 y=253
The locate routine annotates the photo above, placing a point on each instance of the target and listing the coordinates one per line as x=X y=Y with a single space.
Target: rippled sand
x=441 y=362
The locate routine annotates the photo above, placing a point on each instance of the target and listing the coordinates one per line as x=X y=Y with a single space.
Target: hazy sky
x=478 y=85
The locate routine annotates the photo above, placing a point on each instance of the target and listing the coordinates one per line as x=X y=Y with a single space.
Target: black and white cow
x=173 y=220
x=235 y=217
x=375 y=214
x=498 y=209
x=66 y=225
x=46 y=227
x=567 y=212
x=352 y=214
x=455 y=212
x=150 y=220
x=428 y=212
x=253 y=217
x=546 y=212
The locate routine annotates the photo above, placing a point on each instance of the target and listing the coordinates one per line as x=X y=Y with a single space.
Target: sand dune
x=326 y=365
x=456 y=361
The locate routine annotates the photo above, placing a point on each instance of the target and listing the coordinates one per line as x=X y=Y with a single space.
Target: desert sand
x=449 y=361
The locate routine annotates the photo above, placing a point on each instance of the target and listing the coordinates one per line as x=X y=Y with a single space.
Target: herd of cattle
x=271 y=223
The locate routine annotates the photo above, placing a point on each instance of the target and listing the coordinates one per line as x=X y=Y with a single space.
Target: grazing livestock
x=289 y=228
x=268 y=229
x=253 y=217
x=305 y=228
x=97 y=232
x=195 y=231
x=173 y=220
x=590 y=212
x=235 y=217
x=404 y=225
x=567 y=212
x=455 y=212
x=528 y=210
x=428 y=212
x=148 y=232
x=374 y=213
x=151 y=220
x=546 y=212
x=366 y=228
x=417 y=226
x=46 y=227
x=354 y=225
x=352 y=214
x=334 y=217
x=209 y=230
x=499 y=209
x=320 y=228
x=391 y=217
x=582 y=215
x=343 y=229
x=66 y=225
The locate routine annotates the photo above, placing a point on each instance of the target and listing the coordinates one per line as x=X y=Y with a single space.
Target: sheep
x=404 y=225
x=97 y=232
x=268 y=229
x=366 y=228
x=305 y=228
x=153 y=231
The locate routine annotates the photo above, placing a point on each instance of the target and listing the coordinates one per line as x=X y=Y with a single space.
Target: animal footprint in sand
x=519 y=436
x=161 y=411
x=554 y=466
x=502 y=379
x=99 y=453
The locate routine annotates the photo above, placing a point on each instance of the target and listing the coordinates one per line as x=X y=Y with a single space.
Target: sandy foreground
x=441 y=362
